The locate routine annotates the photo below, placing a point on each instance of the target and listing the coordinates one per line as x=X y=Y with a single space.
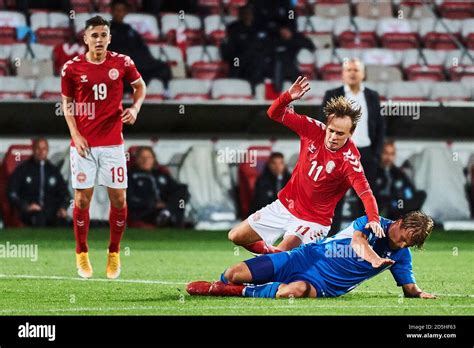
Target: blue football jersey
x=341 y=268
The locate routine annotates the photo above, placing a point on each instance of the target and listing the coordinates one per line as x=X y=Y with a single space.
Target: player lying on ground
x=328 y=165
x=331 y=267
x=92 y=90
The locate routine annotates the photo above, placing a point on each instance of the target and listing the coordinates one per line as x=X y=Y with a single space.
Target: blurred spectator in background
x=128 y=41
x=37 y=189
x=370 y=132
x=53 y=5
x=156 y=7
x=271 y=15
x=153 y=196
x=395 y=193
x=273 y=178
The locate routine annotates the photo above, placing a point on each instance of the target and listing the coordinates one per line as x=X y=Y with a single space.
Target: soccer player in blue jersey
x=331 y=267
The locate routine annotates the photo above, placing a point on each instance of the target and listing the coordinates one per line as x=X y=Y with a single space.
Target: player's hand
x=81 y=145
x=62 y=213
x=426 y=295
x=299 y=88
x=129 y=115
x=376 y=228
x=382 y=262
x=33 y=207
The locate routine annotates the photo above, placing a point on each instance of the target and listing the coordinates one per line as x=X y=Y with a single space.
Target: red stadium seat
x=420 y=72
x=456 y=9
x=331 y=71
x=349 y=37
x=248 y=177
x=14 y=156
x=204 y=62
x=82 y=6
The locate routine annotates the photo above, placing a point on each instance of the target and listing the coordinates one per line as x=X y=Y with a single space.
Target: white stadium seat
x=409 y=90
x=189 y=89
x=155 y=90
x=446 y=91
x=16 y=88
x=231 y=89
x=48 y=88
x=145 y=24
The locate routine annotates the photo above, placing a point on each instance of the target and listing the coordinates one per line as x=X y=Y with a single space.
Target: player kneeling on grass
x=331 y=267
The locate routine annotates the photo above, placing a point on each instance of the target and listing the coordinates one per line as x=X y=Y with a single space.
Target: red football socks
x=81 y=228
x=117 y=221
x=261 y=247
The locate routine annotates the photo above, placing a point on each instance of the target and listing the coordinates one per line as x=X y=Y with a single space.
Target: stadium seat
x=459 y=64
x=215 y=28
x=332 y=9
x=204 y=62
x=424 y=66
x=9 y=21
x=14 y=156
x=264 y=92
x=248 y=175
x=16 y=88
x=468 y=83
x=190 y=89
x=355 y=32
x=185 y=29
x=415 y=10
x=231 y=89
x=35 y=61
x=155 y=90
x=82 y=6
x=171 y=55
x=48 y=88
x=306 y=60
x=318 y=89
x=5 y=51
x=434 y=33
x=397 y=33
x=317 y=29
x=50 y=28
x=381 y=56
x=448 y=91
x=232 y=6
x=383 y=73
x=212 y=7
x=373 y=9
x=467 y=33
x=145 y=24
x=409 y=91
x=456 y=9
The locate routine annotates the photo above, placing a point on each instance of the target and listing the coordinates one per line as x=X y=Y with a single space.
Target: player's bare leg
x=296 y=289
x=289 y=243
x=82 y=199
x=244 y=235
x=117 y=221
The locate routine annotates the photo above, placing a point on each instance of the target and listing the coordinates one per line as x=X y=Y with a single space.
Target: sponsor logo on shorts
x=81 y=177
x=113 y=74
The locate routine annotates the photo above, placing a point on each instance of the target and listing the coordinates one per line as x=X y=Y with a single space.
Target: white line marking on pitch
x=183 y=308
x=161 y=282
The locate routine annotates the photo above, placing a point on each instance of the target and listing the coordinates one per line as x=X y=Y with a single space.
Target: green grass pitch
x=156 y=265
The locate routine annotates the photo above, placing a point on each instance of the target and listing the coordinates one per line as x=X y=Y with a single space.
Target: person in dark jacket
x=128 y=41
x=153 y=196
x=370 y=132
x=37 y=189
x=273 y=178
x=396 y=195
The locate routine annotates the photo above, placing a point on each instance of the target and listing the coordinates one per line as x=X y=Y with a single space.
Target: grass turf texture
x=156 y=265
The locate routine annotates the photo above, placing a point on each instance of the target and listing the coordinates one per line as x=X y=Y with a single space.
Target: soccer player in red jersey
x=92 y=92
x=328 y=165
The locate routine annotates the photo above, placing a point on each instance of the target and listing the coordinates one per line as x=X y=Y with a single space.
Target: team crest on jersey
x=330 y=166
x=113 y=74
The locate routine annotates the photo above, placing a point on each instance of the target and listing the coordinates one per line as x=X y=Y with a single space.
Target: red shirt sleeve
x=302 y=125
x=67 y=81
x=131 y=73
x=354 y=172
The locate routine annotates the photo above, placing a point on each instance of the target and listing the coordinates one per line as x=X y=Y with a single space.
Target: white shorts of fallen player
x=274 y=221
x=106 y=164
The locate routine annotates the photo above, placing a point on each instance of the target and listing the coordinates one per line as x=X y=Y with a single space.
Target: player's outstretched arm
x=79 y=141
x=362 y=248
x=129 y=115
x=412 y=290
x=299 y=88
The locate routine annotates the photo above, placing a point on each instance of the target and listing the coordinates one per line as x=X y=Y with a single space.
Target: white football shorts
x=274 y=221
x=107 y=164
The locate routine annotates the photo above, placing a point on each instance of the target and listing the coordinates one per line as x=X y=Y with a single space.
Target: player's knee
x=296 y=289
x=82 y=201
x=119 y=202
x=233 y=274
x=234 y=236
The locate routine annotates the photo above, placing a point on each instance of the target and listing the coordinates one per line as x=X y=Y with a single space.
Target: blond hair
x=341 y=107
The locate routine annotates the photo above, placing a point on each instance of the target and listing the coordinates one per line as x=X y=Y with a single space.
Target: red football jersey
x=97 y=90
x=321 y=176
